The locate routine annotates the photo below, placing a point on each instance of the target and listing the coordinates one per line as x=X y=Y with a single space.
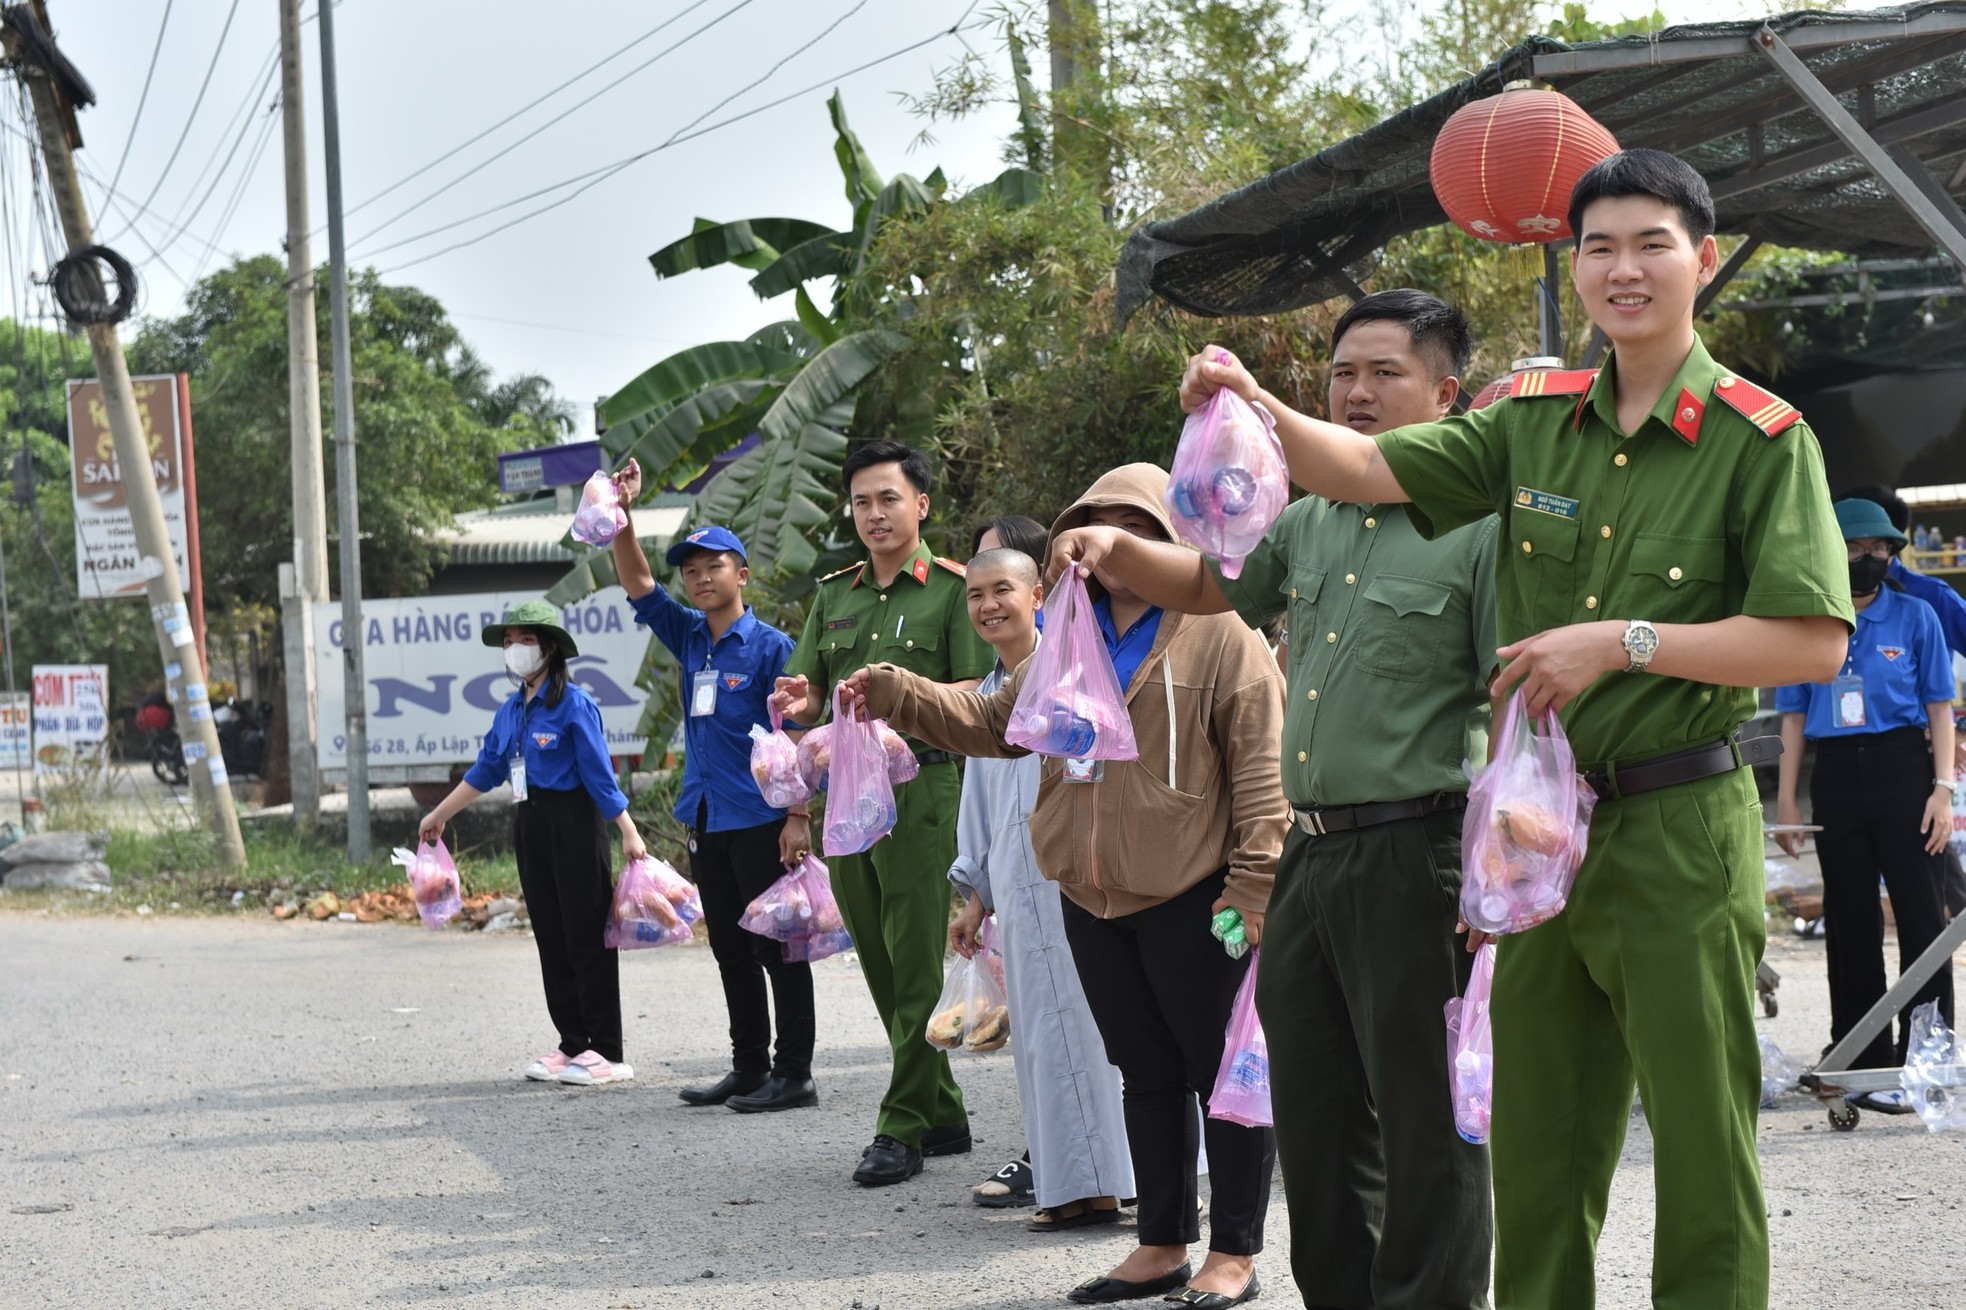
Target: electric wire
x=524 y=109
x=238 y=193
x=244 y=119
x=493 y=158
x=192 y=117
x=143 y=99
x=594 y=177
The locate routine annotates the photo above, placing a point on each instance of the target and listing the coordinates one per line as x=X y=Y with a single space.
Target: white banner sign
x=433 y=686
x=16 y=729
x=107 y=561
x=71 y=715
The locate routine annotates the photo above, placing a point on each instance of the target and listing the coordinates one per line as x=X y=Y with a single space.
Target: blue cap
x=1864 y=519
x=707 y=539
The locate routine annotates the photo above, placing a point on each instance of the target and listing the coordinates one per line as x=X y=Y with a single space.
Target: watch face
x=1641 y=641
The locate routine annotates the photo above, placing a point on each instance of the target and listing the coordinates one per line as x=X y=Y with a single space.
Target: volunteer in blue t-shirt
x=548 y=741
x=730 y=661
x=1882 y=789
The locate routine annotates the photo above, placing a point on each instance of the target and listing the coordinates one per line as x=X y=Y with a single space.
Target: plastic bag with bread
x=1527 y=827
x=775 y=765
x=973 y=1013
x=653 y=906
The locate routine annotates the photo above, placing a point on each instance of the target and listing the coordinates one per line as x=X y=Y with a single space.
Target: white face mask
x=522 y=661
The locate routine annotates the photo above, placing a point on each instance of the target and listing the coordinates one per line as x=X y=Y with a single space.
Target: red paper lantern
x=1503 y=168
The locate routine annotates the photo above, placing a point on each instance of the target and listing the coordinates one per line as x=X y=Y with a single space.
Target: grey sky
x=569 y=293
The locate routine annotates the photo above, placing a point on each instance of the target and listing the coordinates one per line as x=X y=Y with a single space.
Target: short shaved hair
x=1012 y=561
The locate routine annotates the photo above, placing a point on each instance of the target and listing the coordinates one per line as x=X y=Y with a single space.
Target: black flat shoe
x=946 y=1141
x=777 y=1094
x=1197 y=1299
x=888 y=1161
x=731 y=1084
x=1099 y=1291
x=1007 y=1188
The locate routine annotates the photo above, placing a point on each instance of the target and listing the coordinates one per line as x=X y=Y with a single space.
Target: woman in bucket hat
x=547 y=740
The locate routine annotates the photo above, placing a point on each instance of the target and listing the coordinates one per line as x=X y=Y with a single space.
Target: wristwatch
x=1948 y=783
x=1641 y=642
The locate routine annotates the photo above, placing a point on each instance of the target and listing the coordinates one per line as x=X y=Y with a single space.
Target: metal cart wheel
x=1843 y=1116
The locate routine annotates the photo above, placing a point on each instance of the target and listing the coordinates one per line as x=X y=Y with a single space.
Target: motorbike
x=166 y=748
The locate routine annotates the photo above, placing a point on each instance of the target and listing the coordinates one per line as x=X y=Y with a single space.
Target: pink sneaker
x=548 y=1067
x=588 y=1069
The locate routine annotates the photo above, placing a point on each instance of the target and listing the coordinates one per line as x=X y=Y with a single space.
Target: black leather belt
x=934 y=757
x=1614 y=781
x=1323 y=819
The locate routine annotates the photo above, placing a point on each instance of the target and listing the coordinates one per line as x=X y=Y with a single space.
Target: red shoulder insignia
x=1561 y=382
x=960 y=570
x=1765 y=410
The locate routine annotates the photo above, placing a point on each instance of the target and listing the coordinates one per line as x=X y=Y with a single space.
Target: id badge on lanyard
x=1847 y=699
x=703 y=694
x=1084 y=770
x=519 y=754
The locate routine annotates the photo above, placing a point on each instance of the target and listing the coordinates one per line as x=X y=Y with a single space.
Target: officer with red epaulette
x=906 y=606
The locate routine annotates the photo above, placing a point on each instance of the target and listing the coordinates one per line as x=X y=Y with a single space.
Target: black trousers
x=730 y=869
x=1160 y=988
x=1869 y=795
x=561 y=842
x=1388 y=1206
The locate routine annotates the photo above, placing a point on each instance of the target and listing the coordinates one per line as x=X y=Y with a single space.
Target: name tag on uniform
x=703 y=694
x=1847 y=696
x=518 y=777
x=1546 y=502
x=1084 y=770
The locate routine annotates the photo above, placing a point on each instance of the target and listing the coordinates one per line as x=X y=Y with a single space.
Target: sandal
x=1076 y=1214
x=1007 y=1188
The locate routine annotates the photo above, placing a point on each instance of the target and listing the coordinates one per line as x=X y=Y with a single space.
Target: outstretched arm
x=1159 y=572
x=631 y=566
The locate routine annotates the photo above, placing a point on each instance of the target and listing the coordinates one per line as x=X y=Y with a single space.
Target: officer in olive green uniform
x=1715 y=506
x=895 y=897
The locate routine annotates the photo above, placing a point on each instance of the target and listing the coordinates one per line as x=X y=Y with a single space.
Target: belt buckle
x=1311 y=822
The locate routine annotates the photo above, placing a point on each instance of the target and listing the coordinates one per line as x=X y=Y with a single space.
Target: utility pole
x=348 y=520
x=310 y=563
x=1078 y=148
x=57 y=90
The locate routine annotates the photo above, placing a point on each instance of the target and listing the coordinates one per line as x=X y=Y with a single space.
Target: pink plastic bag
x=1229 y=482
x=1471 y=1051
x=600 y=516
x=775 y=765
x=653 y=906
x=1527 y=827
x=860 y=799
x=433 y=882
x=1071 y=703
x=815 y=752
x=825 y=930
x=1242 y=1085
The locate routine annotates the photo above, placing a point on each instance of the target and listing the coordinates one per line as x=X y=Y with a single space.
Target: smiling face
x=1003 y=606
x=1638 y=271
x=1380 y=380
x=714 y=579
x=887 y=511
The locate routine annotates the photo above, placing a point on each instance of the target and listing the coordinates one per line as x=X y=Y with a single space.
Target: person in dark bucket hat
x=547 y=740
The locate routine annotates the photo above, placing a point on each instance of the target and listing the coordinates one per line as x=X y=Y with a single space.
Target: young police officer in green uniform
x=1392 y=646
x=1667 y=544
x=908 y=607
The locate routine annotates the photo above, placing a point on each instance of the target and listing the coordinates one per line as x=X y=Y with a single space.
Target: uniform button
x=1527 y=548
x=1673 y=573
x=1302 y=757
x=910 y=643
x=883 y=600
x=1293 y=593
x=1372 y=523
x=1590 y=602
x=1604 y=531
x=1620 y=461
x=1350 y=578
x=1311 y=694
x=1330 y=638
x=1689 y=414
x=1726 y=383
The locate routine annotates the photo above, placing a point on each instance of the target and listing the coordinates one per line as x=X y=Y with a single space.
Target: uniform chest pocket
x=1678 y=579
x=1404 y=627
x=1542 y=548
x=1300 y=591
x=917 y=651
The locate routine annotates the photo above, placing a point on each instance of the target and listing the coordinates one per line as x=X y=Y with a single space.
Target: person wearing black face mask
x=1882 y=789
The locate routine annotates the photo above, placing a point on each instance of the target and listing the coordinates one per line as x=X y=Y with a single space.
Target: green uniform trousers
x=1648 y=974
x=895 y=900
x=1388 y=1206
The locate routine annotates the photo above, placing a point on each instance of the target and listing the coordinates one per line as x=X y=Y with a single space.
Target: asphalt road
x=219 y=1112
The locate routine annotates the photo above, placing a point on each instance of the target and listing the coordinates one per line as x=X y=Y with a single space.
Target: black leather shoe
x=1196 y=1299
x=888 y=1161
x=946 y=1141
x=731 y=1084
x=1098 y=1291
x=777 y=1094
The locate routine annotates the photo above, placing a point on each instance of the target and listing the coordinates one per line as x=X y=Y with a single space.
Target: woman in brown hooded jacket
x=1146 y=851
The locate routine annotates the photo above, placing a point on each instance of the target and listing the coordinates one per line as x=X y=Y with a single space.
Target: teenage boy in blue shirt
x=730 y=661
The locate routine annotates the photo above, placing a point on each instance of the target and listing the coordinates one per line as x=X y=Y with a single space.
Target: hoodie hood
x=1137 y=486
